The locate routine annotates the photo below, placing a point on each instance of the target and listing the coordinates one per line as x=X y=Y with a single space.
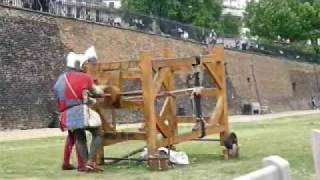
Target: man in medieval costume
x=73 y=91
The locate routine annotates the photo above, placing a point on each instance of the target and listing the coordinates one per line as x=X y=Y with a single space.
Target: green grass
x=287 y=137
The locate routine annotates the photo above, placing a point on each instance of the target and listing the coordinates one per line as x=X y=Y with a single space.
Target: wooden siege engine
x=157 y=77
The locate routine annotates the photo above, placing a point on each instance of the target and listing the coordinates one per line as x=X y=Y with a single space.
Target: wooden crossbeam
x=214 y=129
x=173 y=62
x=125 y=135
x=132 y=104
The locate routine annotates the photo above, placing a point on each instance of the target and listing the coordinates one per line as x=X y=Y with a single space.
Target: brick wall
x=33 y=46
x=30 y=53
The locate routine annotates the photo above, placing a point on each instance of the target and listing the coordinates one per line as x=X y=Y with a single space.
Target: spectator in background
x=26 y=4
x=40 y=5
x=117 y=22
x=212 y=38
x=313 y=103
x=185 y=35
x=244 y=44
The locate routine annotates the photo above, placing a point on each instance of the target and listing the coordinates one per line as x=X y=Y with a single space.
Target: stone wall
x=251 y=76
x=33 y=47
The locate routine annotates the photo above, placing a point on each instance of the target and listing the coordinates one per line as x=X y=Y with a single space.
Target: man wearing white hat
x=72 y=91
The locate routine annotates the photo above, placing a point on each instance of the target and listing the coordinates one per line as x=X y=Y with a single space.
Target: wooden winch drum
x=114 y=99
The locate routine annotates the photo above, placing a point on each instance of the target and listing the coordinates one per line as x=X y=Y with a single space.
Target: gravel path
x=10 y=135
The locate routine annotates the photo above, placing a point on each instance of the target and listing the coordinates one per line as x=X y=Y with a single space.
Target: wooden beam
x=159 y=78
x=124 y=135
x=215 y=116
x=187 y=137
x=132 y=104
x=164 y=129
x=173 y=62
x=215 y=76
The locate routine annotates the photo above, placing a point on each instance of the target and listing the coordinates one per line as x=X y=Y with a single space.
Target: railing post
x=315 y=141
x=275 y=168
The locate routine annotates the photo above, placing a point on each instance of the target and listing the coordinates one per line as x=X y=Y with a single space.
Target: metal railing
x=270 y=49
x=98 y=11
x=288 y=53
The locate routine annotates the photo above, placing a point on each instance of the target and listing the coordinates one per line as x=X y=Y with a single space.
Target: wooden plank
x=149 y=100
x=124 y=135
x=164 y=129
x=159 y=78
x=132 y=104
x=187 y=137
x=315 y=142
x=213 y=73
x=173 y=62
x=167 y=62
x=212 y=58
x=215 y=116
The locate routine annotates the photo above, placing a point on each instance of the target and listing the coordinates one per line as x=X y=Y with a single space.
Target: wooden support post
x=149 y=100
x=219 y=54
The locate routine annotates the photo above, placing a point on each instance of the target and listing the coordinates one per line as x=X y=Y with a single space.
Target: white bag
x=175 y=157
x=92 y=118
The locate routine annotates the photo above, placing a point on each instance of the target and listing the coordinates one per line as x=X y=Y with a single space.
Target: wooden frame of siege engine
x=153 y=74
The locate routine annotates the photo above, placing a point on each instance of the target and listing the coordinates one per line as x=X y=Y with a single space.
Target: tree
x=289 y=19
x=204 y=13
x=231 y=25
x=310 y=22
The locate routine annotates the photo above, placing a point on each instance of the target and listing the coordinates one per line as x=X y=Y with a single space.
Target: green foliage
x=204 y=13
x=290 y=19
x=231 y=25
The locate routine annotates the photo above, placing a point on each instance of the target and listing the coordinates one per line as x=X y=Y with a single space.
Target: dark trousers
x=81 y=143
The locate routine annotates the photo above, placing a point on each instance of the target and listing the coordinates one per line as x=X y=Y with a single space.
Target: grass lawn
x=287 y=137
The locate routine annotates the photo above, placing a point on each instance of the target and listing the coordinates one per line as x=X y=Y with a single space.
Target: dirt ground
x=10 y=135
